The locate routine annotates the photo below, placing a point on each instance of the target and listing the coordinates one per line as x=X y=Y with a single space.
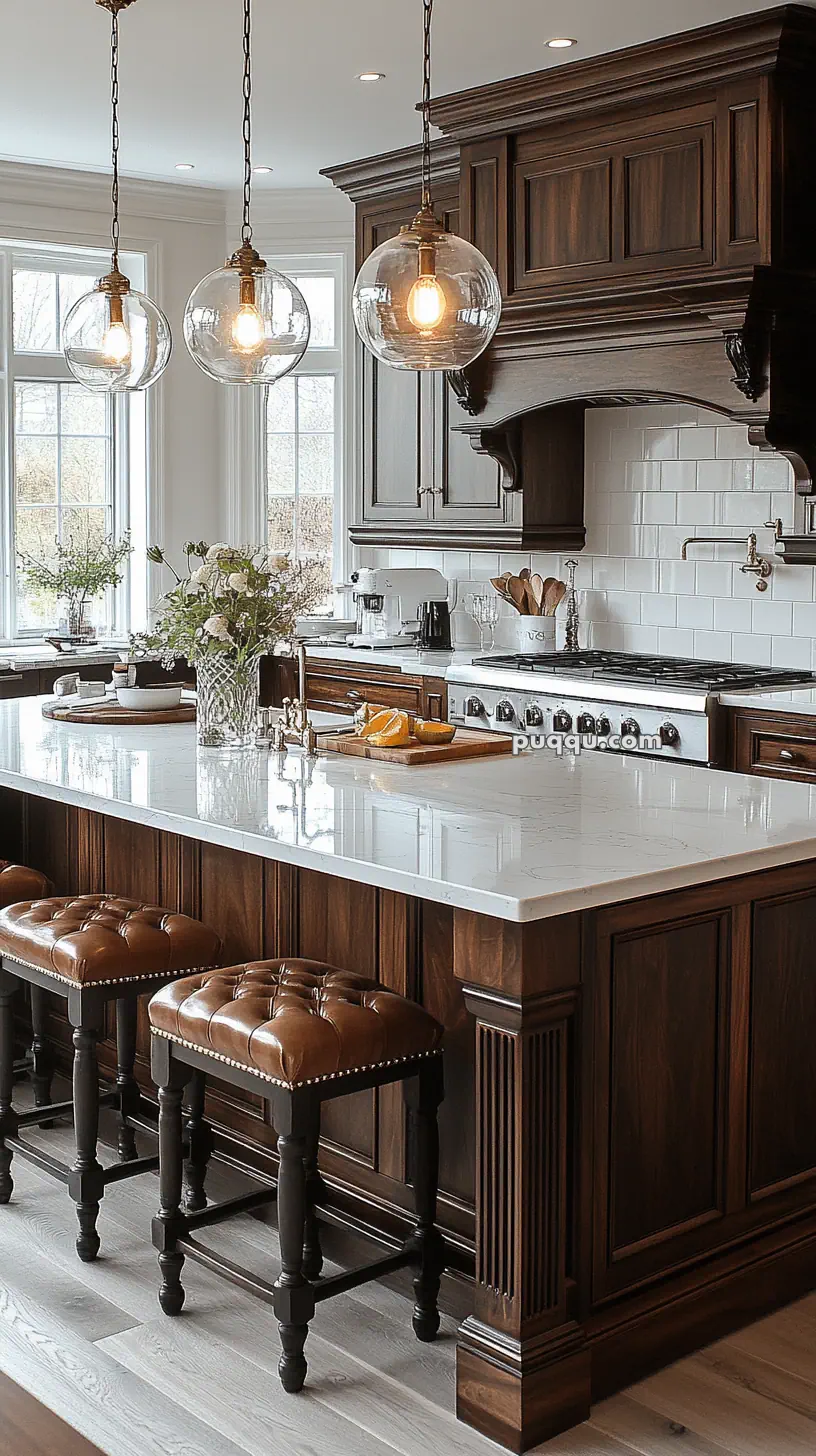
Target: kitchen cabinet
x=776 y=745
x=339 y=687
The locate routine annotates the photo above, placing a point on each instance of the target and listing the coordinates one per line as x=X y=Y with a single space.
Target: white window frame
x=43 y=366
x=246 y=440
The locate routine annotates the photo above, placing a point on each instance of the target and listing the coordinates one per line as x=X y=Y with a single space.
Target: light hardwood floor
x=90 y=1342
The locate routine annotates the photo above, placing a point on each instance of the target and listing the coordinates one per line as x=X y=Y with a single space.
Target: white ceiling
x=181 y=74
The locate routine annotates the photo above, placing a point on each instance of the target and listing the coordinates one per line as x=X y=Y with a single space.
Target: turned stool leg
x=168 y=1223
x=423 y=1096
x=312 y=1250
x=199 y=1145
x=8 y=1121
x=43 y=1069
x=294 y=1300
x=126 y=1084
x=86 y=1181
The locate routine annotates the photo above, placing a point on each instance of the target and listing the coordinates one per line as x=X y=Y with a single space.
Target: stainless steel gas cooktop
x=664 y=707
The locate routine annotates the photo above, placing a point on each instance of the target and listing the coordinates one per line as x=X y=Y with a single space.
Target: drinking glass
x=485 y=609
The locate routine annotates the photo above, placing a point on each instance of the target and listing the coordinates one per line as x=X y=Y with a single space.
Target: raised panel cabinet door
x=782 y=1125
x=397 y=427
x=564 y=218
x=467 y=486
x=668 y=199
x=661 y=1001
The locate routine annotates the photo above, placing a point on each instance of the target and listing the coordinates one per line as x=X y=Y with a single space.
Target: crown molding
x=391 y=173
x=35 y=185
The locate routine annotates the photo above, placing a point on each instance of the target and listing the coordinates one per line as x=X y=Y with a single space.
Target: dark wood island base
x=628 y=1145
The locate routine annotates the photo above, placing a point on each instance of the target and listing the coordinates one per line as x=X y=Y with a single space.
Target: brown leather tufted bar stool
x=297 y=1033
x=91 y=949
x=18 y=882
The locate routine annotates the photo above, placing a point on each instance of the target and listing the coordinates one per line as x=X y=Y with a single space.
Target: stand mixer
x=393 y=607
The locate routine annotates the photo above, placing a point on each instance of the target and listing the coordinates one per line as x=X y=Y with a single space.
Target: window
x=67 y=456
x=302 y=434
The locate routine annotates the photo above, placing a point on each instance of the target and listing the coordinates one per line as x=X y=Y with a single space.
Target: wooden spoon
x=501 y=587
x=555 y=595
x=533 y=608
x=537 y=584
x=518 y=594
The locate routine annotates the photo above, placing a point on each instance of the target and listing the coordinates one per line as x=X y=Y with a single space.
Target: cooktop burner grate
x=633 y=667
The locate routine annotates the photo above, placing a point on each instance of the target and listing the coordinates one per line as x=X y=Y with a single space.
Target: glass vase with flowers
x=232 y=606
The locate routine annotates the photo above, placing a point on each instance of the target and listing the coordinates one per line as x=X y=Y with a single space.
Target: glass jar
x=228 y=693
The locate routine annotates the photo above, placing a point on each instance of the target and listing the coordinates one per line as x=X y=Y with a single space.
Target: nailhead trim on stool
x=275 y=1081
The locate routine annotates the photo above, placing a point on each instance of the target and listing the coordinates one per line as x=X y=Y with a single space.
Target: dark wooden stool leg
x=169 y=1225
x=43 y=1069
x=423 y=1095
x=312 y=1250
x=199 y=1145
x=294 y=1299
x=86 y=1182
x=126 y=1084
x=8 y=1121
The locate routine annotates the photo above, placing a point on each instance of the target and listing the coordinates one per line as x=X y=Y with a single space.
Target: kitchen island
x=621 y=952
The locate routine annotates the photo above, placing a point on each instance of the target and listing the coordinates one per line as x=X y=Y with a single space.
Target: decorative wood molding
x=391 y=173
x=746 y=375
x=463 y=387
x=501 y=444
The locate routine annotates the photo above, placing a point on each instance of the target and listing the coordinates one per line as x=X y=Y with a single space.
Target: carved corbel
x=501 y=443
x=469 y=395
x=747 y=375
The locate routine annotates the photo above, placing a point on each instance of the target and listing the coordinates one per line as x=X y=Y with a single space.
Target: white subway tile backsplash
x=640 y=574
x=678 y=475
x=774 y=618
x=660 y=444
x=696 y=509
x=658 y=609
x=656 y=474
x=698 y=444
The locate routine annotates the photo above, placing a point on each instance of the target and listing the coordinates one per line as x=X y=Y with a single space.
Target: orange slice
x=377 y=723
x=432 y=732
x=395 y=733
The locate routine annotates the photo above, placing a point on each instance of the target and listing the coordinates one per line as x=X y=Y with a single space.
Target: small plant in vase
x=77 y=573
x=232 y=606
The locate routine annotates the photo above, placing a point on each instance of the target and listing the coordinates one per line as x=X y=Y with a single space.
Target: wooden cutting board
x=468 y=743
x=110 y=715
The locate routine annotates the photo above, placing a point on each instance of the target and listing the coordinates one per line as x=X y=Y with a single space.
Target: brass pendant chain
x=427 y=205
x=115 y=139
x=246 y=230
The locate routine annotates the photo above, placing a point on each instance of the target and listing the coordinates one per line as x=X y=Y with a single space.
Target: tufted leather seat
x=293 y=1021
x=18 y=882
x=93 y=940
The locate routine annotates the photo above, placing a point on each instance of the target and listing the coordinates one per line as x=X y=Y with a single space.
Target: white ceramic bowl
x=150 y=700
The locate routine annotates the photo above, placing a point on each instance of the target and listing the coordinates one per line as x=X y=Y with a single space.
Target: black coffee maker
x=435 y=626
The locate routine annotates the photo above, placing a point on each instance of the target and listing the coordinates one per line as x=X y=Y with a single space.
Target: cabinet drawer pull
x=354 y=695
x=786 y=754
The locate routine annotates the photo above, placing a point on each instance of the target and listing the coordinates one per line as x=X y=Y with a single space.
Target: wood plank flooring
x=89 y=1342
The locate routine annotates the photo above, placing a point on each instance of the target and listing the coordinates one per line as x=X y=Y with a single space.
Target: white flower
x=204 y=575
x=218 y=627
x=238 y=581
x=218 y=550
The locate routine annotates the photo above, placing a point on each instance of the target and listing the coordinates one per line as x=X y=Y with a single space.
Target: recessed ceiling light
x=371 y=76
x=561 y=43
x=185 y=166
x=262 y=171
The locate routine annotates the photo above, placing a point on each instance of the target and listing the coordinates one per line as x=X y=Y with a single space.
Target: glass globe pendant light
x=246 y=323
x=115 y=339
x=426 y=299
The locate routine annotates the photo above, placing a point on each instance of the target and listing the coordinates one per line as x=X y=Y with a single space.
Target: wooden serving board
x=110 y=715
x=468 y=743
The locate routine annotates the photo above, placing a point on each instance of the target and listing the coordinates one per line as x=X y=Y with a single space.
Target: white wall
x=182 y=231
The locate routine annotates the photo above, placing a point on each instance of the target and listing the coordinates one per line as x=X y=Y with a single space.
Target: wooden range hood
x=651 y=215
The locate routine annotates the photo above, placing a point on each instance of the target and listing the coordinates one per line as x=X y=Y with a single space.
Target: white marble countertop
x=798 y=700
x=518 y=838
x=401 y=659
x=23 y=659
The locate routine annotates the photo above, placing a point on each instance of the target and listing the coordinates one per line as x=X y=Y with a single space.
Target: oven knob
x=474 y=708
x=534 y=716
x=604 y=726
x=562 y=722
x=669 y=735
x=630 y=728
x=586 y=723
x=505 y=712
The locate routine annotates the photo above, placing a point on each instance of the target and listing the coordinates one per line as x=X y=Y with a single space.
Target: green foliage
x=78 y=572
x=234 y=600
